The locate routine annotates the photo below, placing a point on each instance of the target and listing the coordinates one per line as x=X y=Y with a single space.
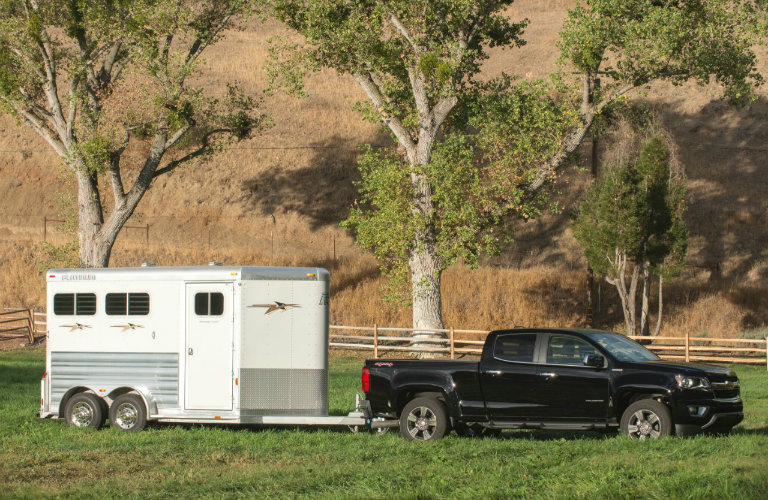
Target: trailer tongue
x=210 y=344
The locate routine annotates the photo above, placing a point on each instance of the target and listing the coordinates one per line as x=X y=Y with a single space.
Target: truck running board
x=563 y=426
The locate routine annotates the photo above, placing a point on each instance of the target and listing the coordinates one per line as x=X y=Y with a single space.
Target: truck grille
x=726 y=387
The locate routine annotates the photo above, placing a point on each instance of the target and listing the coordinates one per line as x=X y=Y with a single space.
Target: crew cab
x=553 y=379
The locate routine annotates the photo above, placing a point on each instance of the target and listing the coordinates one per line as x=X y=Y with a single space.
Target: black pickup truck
x=553 y=379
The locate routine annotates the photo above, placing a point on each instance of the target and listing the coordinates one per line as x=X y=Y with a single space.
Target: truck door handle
x=548 y=374
x=494 y=373
x=190 y=351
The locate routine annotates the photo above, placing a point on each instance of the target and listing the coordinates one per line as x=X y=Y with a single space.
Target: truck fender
x=433 y=383
x=630 y=393
x=146 y=396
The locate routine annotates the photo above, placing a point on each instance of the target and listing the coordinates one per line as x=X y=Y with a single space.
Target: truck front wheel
x=423 y=419
x=646 y=419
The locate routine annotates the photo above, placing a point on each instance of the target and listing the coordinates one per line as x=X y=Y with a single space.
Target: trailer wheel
x=423 y=419
x=85 y=410
x=127 y=413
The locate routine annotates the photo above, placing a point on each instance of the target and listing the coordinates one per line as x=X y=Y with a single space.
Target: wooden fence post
x=453 y=351
x=31 y=326
x=375 y=341
x=687 y=346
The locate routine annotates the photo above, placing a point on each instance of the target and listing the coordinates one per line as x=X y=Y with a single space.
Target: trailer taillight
x=366 y=379
x=45 y=374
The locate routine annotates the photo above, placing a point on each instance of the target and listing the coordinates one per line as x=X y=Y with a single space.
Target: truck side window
x=209 y=304
x=71 y=304
x=567 y=350
x=127 y=304
x=518 y=347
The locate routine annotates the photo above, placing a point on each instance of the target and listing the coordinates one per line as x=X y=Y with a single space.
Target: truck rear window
x=515 y=347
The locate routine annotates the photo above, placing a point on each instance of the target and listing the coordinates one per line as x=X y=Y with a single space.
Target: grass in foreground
x=45 y=459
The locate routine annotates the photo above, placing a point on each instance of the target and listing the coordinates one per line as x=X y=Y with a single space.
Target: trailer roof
x=190 y=273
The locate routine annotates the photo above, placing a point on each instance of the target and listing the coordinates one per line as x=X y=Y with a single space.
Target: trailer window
x=127 y=304
x=209 y=304
x=71 y=304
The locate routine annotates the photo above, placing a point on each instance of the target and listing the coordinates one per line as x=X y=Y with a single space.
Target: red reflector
x=41 y=402
x=366 y=379
x=52 y=276
x=45 y=374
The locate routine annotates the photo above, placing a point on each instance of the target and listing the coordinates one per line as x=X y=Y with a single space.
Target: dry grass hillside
x=277 y=199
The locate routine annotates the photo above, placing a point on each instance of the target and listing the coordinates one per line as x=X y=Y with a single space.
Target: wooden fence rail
x=470 y=342
x=21 y=324
x=26 y=323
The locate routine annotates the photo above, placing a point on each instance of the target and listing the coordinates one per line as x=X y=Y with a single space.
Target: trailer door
x=209 y=338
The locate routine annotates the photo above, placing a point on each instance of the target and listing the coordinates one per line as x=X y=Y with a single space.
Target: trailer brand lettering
x=78 y=277
x=275 y=306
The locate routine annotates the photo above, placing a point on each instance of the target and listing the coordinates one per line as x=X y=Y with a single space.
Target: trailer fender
x=146 y=396
x=71 y=392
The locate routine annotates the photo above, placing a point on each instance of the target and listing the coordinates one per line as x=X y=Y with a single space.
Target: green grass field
x=45 y=459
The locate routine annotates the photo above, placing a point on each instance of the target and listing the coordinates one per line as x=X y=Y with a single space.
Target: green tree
x=628 y=44
x=632 y=227
x=95 y=78
x=416 y=62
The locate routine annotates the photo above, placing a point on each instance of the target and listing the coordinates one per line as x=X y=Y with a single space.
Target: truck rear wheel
x=127 y=413
x=423 y=419
x=85 y=410
x=646 y=419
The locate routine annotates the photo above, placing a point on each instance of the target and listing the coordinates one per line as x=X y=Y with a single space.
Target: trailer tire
x=423 y=419
x=128 y=413
x=85 y=410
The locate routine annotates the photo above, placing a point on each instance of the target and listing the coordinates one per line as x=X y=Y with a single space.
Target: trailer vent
x=213 y=263
x=147 y=264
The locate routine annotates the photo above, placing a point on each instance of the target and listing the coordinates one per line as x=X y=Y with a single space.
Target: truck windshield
x=622 y=348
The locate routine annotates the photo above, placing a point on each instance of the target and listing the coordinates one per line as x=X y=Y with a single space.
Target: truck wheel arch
x=630 y=396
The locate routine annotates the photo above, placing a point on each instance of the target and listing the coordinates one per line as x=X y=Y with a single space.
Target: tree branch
x=203 y=149
x=395 y=125
x=403 y=31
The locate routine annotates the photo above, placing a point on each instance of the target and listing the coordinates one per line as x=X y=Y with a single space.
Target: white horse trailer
x=211 y=344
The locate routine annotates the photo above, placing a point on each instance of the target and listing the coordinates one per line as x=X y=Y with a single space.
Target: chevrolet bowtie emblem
x=275 y=306
x=129 y=326
x=76 y=326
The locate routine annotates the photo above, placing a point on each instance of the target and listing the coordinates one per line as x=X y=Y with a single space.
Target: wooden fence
x=21 y=324
x=460 y=343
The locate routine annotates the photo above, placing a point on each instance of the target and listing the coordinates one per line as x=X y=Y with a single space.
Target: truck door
x=209 y=335
x=571 y=390
x=509 y=377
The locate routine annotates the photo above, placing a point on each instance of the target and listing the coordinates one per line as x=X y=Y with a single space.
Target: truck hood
x=686 y=368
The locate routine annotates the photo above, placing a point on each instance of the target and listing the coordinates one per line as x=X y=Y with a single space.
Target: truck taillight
x=366 y=379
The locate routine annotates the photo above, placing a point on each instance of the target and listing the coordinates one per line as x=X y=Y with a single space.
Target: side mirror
x=593 y=360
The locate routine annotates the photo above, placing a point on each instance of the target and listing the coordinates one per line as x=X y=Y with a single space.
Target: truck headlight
x=685 y=382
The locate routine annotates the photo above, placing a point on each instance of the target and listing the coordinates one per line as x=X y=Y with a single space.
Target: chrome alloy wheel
x=82 y=414
x=644 y=424
x=421 y=423
x=126 y=416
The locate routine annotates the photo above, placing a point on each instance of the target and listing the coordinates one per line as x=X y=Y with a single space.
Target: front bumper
x=720 y=415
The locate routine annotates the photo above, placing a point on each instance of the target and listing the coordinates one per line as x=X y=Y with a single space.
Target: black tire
x=646 y=419
x=128 y=413
x=423 y=419
x=85 y=410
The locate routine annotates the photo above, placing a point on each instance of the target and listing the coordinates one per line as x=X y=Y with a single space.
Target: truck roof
x=190 y=273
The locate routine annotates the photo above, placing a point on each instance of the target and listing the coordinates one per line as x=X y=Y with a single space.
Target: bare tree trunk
x=645 y=320
x=93 y=253
x=661 y=302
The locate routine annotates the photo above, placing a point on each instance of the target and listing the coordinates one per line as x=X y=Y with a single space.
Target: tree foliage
x=94 y=78
x=632 y=223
